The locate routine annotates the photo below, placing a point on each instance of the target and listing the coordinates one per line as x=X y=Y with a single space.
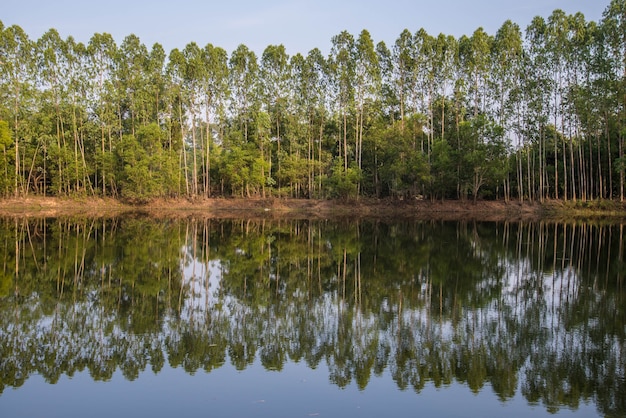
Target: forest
x=523 y=114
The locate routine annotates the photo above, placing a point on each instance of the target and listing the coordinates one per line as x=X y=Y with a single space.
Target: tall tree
x=215 y=88
x=403 y=78
x=274 y=75
x=17 y=85
x=506 y=67
x=614 y=29
x=102 y=51
x=342 y=65
x=367 y=85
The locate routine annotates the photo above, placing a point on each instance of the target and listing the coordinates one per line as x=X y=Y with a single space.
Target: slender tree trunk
x=207 y=156
x=591 y=179
x=345 y=141
x=184 y=149
x=600 y=177
x=610 y=162
x=17 y=145
x=194 y=175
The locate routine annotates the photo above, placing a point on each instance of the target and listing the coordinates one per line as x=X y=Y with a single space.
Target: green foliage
x=5 y=135
x=539 y=113
x=343 y=183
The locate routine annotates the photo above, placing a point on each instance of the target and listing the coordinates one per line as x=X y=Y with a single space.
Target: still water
x=135 y=316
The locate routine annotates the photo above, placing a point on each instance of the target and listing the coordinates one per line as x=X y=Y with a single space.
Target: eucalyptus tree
x=53 y=83
x=367 y=85
x=574 y=68
x=130 y=77
x=102 y=52
x=475 y=54
x=243 y=82
x=274 y=75
x=425 y=71
x=388 y=104
x=215 y=90
x=301 y=85
x=579 y=103
x=78 y=87
x=403 y=81
x=194 y=71
x=16 y=89
x=557 y=43
x=614 y=29
x=388 y=111
x=342 y=68
x=154 y=91
x=446 y=59
x=242 y=153
x=506 y=68
x=603 y=96
x=307 y=108
x=310 y=83
x=175 y=75
x=537 y=88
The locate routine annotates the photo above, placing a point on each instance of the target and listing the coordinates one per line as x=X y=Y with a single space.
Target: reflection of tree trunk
x=17 y=259
x=620 y=254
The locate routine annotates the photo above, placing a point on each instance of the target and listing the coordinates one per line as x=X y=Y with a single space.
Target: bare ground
x=273 y=208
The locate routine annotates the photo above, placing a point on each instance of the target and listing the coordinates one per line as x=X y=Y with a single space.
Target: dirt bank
x=272 y=208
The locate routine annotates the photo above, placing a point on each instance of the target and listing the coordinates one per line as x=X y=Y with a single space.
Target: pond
x=298 y=318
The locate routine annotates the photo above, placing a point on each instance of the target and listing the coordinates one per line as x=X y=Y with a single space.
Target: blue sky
x=300 y=25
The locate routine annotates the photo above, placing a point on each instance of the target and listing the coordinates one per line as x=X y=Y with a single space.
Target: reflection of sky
x=202 y=278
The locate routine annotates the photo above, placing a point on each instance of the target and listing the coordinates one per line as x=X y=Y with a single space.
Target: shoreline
x=278 y=208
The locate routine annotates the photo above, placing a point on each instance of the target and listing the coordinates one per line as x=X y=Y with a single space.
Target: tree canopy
x=521 y=114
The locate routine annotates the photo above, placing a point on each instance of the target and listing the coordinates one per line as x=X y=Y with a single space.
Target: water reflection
x=533 y=307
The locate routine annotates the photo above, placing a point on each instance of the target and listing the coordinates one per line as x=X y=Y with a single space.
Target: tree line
x=528 y=115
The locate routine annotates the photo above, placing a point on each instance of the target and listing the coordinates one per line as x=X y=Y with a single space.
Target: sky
x=300 y=25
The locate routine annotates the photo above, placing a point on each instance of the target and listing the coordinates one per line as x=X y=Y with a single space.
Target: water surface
x=198 y=317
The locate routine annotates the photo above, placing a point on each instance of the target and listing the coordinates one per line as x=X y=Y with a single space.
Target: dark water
x=194 y=317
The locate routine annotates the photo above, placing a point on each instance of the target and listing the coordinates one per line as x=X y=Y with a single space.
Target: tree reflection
x=534 y=307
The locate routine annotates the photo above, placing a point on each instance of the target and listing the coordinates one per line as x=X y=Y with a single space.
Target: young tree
x=342 y=67
x=367 y=84
x=102 y=52
x=215 y=90
x=614 y=29
x=506 y=67
x=274 y=75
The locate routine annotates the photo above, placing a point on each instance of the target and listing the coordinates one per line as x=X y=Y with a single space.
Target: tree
x=342 y=68
x=506 y=67
x=367 y=84
x=102 y=52
x=614 y=28
x=403 y=72
x=484 y=154
x=274 y=75
x=17 y=88
x=215 y=87
x=243 y=71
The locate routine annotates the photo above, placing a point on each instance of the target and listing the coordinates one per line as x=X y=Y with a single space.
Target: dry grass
x=272 y=208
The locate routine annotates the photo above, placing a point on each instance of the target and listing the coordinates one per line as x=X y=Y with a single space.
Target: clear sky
x=300 y=25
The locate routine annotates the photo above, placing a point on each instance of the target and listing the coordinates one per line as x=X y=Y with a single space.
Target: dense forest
x=529 y=115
